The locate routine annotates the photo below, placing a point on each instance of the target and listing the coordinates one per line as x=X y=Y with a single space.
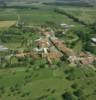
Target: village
x=47 y=50
x=51 y=48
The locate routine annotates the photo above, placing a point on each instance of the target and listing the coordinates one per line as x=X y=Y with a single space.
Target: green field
x=47 y=84
x=45 y=14
x=88 y=15
x=30 y=16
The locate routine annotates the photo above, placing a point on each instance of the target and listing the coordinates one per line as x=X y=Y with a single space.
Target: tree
x=74 y=85
x=78 y=93
x=68 y=96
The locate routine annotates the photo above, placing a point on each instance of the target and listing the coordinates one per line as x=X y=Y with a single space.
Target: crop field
x=88 y=15
x=43 y=15
x=6 y=24
x=34 y=16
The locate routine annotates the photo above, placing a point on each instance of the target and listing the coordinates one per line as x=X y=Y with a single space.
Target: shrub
x=78 y=93
x=74 y=86
x=70 y=77
x=67 y=96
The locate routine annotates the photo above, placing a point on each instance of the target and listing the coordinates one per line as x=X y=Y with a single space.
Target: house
x=75 y=59
x=42 y=43
x=61 y=46
x=88 y=60
x=84 y=58
x=54 y=55
x=63 y=25
x=66 y=26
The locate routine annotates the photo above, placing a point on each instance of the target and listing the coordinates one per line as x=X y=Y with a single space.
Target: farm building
x=66 y=26
x=2 y=48
x=84 y=58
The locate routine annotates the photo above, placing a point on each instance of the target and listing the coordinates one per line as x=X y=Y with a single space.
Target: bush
x=82 y=98
x=70 y=77
x=78 y=93
x=74 y=86
x=68 y=96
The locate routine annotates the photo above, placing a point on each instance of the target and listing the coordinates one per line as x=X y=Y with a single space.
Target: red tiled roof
x=43 y=43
